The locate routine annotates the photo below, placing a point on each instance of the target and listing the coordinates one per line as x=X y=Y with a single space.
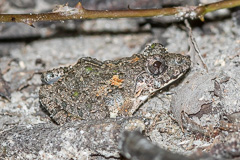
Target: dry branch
x=64 y=12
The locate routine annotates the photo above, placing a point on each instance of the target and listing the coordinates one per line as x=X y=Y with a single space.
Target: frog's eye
x=157 y=64
x=157 y=67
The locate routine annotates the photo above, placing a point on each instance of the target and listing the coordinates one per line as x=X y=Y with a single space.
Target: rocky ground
x=211 y=99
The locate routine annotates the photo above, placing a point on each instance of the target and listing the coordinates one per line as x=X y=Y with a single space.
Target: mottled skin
x=92 y=89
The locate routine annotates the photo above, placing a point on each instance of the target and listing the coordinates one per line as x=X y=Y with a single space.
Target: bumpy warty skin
x=92 y=89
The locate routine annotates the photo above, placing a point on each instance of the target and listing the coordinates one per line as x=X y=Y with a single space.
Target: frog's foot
x=192 y=126
x=232 y=127
x=231 y=123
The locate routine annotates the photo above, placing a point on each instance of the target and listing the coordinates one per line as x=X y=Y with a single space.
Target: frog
x=94 y=90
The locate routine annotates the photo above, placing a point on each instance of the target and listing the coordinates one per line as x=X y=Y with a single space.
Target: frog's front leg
x=141 y=94
x=126 y=107
x=137 y=103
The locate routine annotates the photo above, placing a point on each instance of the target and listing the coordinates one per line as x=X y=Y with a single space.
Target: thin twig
x=64 y=12
x=194 y=47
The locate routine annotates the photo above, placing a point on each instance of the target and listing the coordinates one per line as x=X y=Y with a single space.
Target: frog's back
x=92 y=89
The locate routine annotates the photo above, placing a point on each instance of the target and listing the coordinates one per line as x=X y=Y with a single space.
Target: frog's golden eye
x=157 y=67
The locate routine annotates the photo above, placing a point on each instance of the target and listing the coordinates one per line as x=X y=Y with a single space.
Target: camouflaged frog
x=92 y=89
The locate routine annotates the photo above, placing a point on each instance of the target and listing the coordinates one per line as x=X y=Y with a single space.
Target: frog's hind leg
x=56 y=113
x=61 y=117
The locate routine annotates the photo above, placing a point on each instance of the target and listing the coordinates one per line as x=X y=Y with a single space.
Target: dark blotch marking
x=13 y=19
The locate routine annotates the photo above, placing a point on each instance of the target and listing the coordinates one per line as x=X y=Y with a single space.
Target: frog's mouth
x=141 y=99
x=171 y=81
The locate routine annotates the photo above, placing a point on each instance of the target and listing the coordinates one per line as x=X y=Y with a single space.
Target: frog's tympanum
x=92 y=89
